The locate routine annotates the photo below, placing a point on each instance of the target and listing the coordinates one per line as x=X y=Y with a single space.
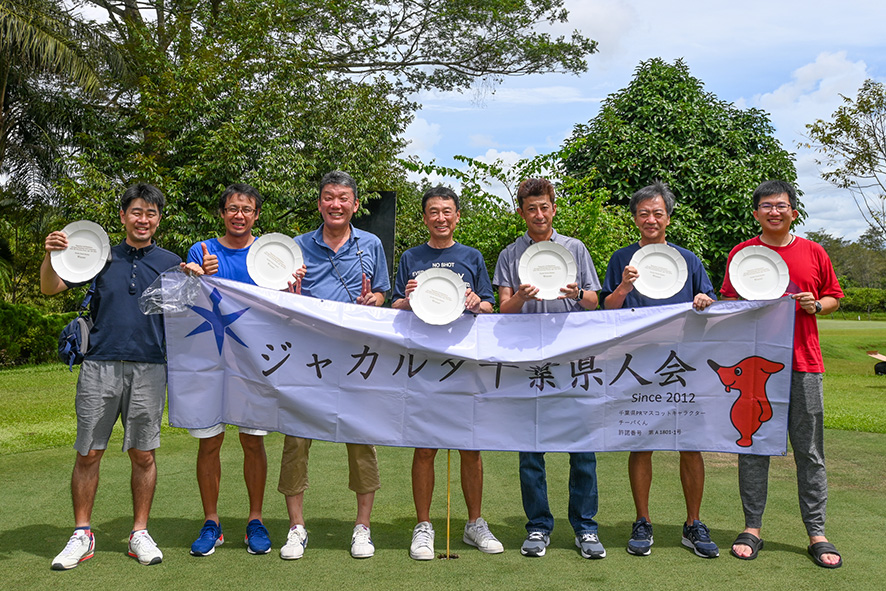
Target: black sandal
x=752 y=542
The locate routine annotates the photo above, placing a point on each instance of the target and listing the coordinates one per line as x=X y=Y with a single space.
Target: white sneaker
x=80 y=547
x=143 y=548
x=477 y=534
x=422 y=547
x=361 y=542
x=295 y=545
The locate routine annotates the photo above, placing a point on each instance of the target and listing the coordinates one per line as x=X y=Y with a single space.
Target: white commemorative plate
x=87 y=252
x=759 y=273
x=272 y=259
x=548 y=266
x=662 y=271
x=439 y=297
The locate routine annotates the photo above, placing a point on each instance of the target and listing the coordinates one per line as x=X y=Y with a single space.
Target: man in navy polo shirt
x=344 y=264
x=652 y=207
x=225 y=257
x=123 y=373
x=440 y=212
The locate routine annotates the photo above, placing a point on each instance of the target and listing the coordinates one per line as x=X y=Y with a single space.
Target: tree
x=276 y=93
x=853 y=148
x=711 y=154
x=489 y=223
x=857 y=264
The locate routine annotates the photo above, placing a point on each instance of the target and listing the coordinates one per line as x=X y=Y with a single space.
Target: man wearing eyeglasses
x=344 y=264
x=123 y=373
x=813 y=285
x=652 y=207
x=239 y=207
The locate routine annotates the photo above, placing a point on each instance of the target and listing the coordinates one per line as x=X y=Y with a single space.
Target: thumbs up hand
x=210 y=261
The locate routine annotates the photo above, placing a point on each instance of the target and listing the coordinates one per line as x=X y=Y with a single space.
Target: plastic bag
x=172 y=291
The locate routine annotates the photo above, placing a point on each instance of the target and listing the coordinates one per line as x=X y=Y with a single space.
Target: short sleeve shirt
x=121 y=332
x=338 y=276
x=810 y=271
x=508 y=266
x=463 y=260
x=697 y=280
x=231 y=261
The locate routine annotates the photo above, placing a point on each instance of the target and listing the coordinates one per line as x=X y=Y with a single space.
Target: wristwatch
x=581 y=295
x=817 y=307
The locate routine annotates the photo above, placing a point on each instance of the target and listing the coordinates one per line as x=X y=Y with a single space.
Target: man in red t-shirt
x=813 y=284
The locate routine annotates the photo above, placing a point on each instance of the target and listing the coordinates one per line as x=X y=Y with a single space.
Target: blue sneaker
x=210 y=537
x=640 y=543
x=698 y=537
x=257 y=539
x=535 y=544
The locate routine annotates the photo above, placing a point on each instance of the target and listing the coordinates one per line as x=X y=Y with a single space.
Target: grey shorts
x=136 y=392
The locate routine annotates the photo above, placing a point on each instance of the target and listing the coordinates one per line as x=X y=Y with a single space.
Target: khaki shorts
x=135 y=392
x=362 y=467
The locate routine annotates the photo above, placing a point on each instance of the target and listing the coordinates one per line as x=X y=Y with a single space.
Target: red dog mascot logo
x=751 y=409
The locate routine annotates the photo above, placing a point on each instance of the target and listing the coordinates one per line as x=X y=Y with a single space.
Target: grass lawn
x=36 y=432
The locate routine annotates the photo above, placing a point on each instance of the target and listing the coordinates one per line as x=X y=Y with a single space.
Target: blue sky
x=792 y=59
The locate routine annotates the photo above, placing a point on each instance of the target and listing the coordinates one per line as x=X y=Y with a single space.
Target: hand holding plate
x=628 y=277
x=570 y=292
x=295 y=286
x=57 y=240
x=410 y=287
x=472 y=301
x=527 y=292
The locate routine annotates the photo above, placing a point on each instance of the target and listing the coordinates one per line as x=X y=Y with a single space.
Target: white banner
x=660 y=378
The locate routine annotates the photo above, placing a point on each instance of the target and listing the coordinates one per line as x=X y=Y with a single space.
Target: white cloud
x=422 y=137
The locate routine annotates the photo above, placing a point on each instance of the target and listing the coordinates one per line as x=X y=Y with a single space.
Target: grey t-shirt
x=508 y=266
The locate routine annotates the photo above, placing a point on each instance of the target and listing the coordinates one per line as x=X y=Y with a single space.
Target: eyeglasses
x=234 y=210
x=779 y=207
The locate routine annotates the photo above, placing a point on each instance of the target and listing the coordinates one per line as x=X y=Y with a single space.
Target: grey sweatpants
x=806 y=432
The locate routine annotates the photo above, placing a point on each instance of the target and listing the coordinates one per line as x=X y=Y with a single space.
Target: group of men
x=123 y=374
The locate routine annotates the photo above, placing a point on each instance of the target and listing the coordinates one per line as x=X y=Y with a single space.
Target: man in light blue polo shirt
x=343 y=264
x=239 y=207
x=537 y=208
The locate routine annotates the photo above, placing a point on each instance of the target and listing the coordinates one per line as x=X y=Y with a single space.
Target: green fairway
x=37 y=430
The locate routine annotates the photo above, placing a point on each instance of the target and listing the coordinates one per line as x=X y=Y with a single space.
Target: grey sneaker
x=698 y=537
x=590 y=545
x=640 y=543
x=80 y=547
x=422 y=547
x=477 y=534
x=143 y=548
x=535 y=544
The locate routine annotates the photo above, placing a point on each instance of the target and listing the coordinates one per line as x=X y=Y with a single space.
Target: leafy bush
x=27 y=335
x=863 y=299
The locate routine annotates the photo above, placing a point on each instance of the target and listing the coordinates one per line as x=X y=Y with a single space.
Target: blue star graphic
x=217 y=322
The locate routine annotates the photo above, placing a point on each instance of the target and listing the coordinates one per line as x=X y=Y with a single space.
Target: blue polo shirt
x=121 y=332
x=463 y=260
x=696 y=282
x=338 y=276
x=231 y=261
